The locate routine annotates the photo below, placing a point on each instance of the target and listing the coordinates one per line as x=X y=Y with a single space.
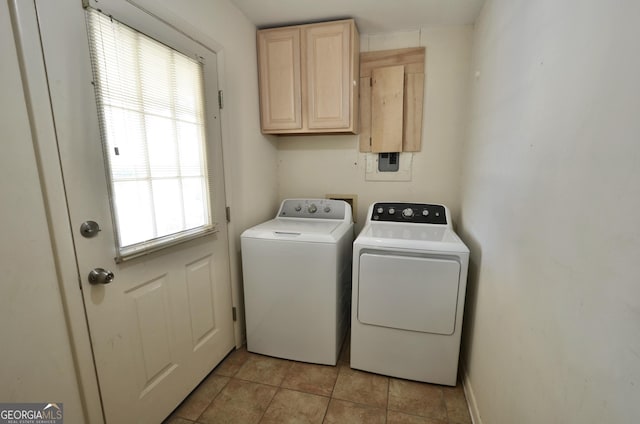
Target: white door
x=166 y=319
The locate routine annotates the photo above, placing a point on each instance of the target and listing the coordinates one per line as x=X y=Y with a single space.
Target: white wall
x=551 y=193
x=36 y=358
x=312 y=166
x=250 y=158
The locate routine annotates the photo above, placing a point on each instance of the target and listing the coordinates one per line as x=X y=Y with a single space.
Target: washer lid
x=411 y=236
x=299 y=229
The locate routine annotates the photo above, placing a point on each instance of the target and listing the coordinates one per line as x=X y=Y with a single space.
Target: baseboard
x=471 y=398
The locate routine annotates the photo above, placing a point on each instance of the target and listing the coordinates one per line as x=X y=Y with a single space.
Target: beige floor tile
x=233 y=362
x=264 y=369
x=343 y=412
x=303 y=396
x=311 y=378
x=241 y=402
x=456 y=404
x=394 y=417
x=195 y=404
x=291 y=407
x=361 y=387
x=415 y=398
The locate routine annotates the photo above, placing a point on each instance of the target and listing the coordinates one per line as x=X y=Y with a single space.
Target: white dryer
x=297 y=281
x=409 y=282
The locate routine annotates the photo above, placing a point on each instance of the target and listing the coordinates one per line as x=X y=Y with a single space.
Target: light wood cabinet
x=279 y=69
x=309 y=77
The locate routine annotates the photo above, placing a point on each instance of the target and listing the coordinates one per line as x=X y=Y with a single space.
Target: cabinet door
x=328 y=71
x=279 y=67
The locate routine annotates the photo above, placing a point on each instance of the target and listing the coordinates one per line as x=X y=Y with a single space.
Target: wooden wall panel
x=411 y=58
x=413 y=62
x=365 y=114
x=387 y=104
x=413 y=100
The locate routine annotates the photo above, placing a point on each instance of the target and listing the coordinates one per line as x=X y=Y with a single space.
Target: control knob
x=425 y=212
x=298 y=208
x=407 y=213
x=327 y=209
x=312 y=208
x=380 y=210
x=391 y=211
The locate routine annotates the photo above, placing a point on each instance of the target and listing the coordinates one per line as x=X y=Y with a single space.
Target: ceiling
x=372 y=16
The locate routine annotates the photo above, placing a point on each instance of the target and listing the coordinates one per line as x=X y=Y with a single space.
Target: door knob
x=100 y=276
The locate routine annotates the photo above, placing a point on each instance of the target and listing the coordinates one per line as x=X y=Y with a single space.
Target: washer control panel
x=313 y=208
x=420 y=213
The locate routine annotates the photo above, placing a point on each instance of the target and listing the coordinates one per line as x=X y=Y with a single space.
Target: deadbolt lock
x=89 y=229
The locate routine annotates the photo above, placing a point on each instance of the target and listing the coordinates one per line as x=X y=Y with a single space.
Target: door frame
x=34 y=79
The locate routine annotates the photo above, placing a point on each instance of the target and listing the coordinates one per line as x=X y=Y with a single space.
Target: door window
x=151 y=108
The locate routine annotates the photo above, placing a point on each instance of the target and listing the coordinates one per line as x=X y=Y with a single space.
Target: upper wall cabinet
x=309 y=78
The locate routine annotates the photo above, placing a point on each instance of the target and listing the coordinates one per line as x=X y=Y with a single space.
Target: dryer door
x=408 y=292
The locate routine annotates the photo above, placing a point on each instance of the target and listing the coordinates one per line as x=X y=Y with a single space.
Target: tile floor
x=248 y=388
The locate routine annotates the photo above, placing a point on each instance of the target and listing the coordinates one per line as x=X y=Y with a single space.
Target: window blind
x=151 y=107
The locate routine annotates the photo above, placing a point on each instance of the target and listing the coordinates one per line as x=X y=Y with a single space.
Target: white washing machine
x=409 y=282
x=297 y=281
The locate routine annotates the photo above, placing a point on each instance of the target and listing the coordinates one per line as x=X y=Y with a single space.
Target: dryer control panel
x=419 y=213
